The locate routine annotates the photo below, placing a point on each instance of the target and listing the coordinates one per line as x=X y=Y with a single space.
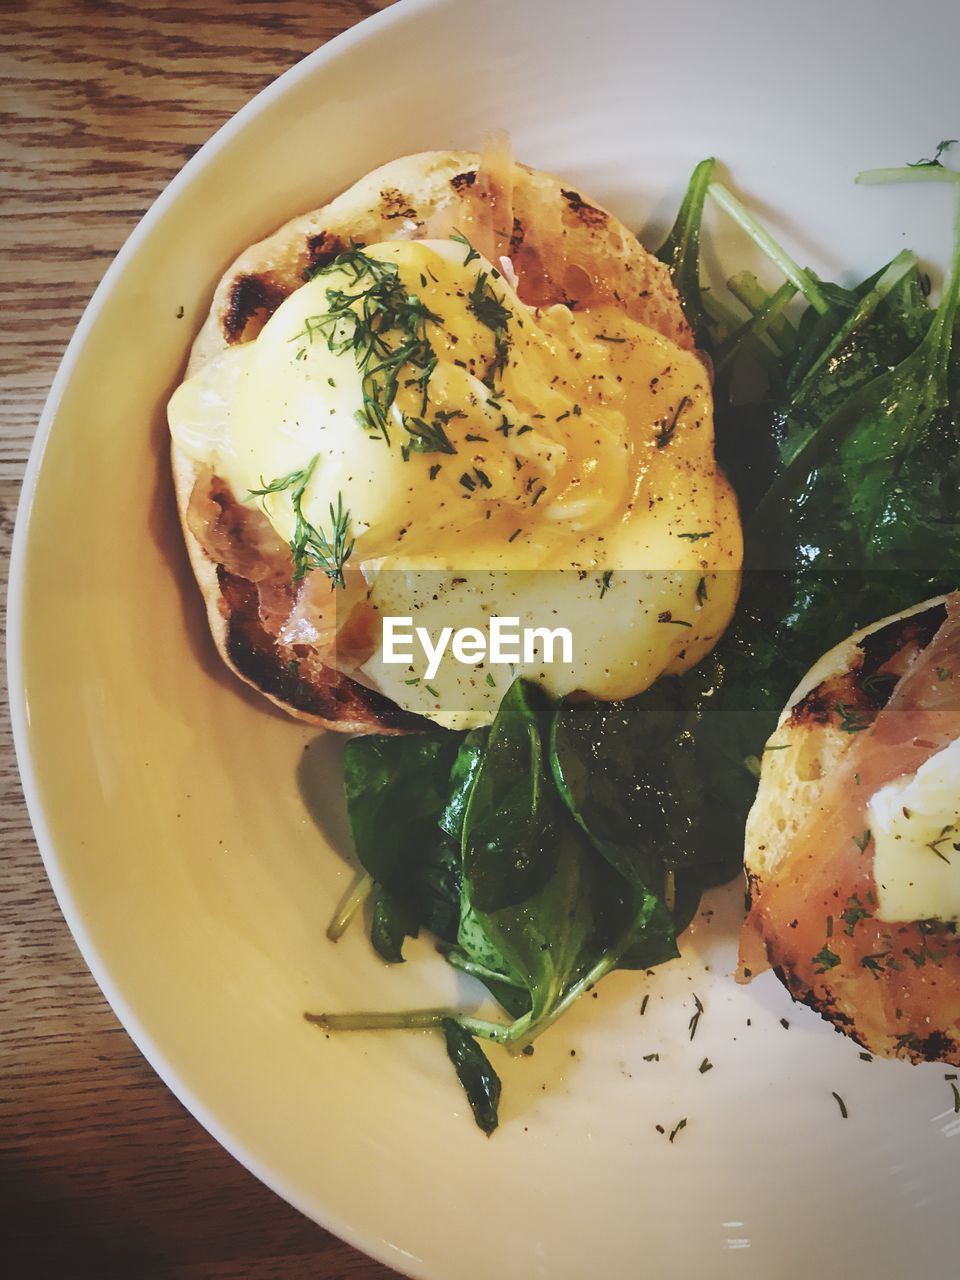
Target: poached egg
x=549 y=464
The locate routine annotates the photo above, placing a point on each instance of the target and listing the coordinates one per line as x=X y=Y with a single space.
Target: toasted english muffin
x=892 y=1006
x=574 y=244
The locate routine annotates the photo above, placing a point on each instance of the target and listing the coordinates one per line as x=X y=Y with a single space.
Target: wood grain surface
x=102 y=1172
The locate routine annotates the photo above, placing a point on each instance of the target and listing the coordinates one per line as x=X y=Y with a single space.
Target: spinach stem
x=762 y=319
x=526 y=1029
x=748 y=291
x=465 y=965
x=764 y=241
x=409 y=1020
x=349 y=905
x=904 y=173
x=403 y=1020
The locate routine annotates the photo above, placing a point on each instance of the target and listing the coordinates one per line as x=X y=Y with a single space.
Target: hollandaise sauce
x=439 y=449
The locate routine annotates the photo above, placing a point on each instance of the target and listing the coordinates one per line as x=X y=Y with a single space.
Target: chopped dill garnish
x=825 y=959
x=697 y=1014
x=851 y=718
x=605 y=582
x=429 y=437
x=942 y=838
x=705 y=1066
x=681 y=1124
x=854 y=912
x=472 y=254
x=311 y=547
x=841 y=1104
x=934 y=161
x=666 y=429
x=695 y=537
x=384 y=326
x=489 y=309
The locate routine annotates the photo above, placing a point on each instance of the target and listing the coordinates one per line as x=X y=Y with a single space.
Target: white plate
x=167 y=803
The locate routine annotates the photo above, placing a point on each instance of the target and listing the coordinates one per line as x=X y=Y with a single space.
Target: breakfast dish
x=466 y=373
x=196 y=837
x=496 y=399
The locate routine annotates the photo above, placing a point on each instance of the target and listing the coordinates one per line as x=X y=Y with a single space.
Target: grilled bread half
x=564 y=248
x=828 y=869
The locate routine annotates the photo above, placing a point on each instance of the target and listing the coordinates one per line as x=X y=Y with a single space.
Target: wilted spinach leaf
x=508 y=838
x=480 y=1082
x=396 y=790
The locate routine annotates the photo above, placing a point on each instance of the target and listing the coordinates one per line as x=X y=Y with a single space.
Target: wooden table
x=102 y=1172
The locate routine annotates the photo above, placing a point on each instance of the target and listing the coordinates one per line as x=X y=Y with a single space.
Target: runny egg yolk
x=530 y=440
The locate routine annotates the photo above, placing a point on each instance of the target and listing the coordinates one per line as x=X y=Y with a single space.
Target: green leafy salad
x=570 y=839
